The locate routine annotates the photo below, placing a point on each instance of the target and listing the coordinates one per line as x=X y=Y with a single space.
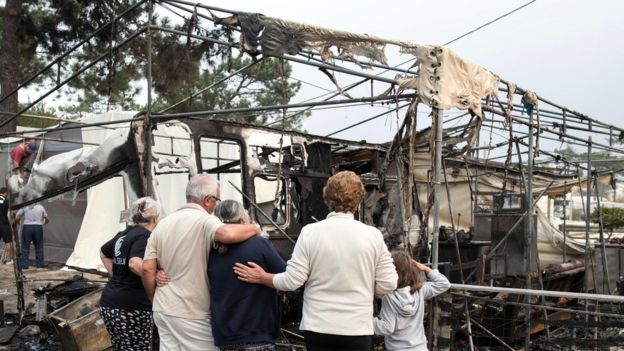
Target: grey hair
x=230 y=211
x=145 y=210
x=199 y=187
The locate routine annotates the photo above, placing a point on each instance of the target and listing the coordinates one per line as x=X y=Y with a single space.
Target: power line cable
x=490 y=22
x=476 y=29
x=368 y=119
x=452 y=41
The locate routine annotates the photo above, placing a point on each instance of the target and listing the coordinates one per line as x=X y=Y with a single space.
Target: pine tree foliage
x=181 y=64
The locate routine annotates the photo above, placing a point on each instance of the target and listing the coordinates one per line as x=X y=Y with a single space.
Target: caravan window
x=271 y=199
x=222 y=159
x=173 y=149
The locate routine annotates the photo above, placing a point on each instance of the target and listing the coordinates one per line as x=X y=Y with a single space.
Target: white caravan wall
x=105 y=202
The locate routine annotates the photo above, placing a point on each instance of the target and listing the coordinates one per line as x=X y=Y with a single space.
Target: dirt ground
x=34 y=278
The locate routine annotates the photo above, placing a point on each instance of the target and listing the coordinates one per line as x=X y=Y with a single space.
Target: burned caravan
x=280 y=173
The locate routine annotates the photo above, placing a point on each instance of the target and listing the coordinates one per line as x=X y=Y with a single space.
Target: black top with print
x=125 y=289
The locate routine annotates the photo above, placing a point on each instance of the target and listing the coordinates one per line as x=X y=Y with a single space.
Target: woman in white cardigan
x=343 y=263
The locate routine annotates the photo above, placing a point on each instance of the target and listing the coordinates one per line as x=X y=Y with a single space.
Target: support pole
x=531 y=292
x=437 y=168
x=565 y=228
x=398 y=161
x=147 y=125
x=17 y=269
x=529 y=235
x=580 y=185
x=587 y=214
x=206 y=114
x=459 y=260
x=603 y=249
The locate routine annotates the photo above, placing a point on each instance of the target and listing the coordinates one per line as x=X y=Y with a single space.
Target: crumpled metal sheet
x=65 y=170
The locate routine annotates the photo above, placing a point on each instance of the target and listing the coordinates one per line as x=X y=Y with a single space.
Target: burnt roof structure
x=466 y=103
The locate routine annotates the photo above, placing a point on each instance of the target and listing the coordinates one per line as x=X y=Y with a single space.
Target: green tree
x=263 y=84
x=38 y=117
x=612 y=218
x=601 y=160
x=34 y=32
x=9 y=49
x=181 y=64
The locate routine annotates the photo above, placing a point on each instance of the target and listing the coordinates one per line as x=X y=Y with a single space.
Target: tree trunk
x=9 y=63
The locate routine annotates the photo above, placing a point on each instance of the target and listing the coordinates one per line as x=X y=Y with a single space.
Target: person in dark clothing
x=243 y=316
x=5 y=225
x=124 y=306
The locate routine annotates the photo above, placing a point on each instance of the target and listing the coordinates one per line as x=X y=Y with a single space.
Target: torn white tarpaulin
x=447 y=81
x=444 y=80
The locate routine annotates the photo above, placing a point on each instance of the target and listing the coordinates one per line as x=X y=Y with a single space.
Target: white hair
x=199 y=187
x=231 y=211
x=145 y=210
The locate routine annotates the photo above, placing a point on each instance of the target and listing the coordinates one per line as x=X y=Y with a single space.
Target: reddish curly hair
x=343 y=192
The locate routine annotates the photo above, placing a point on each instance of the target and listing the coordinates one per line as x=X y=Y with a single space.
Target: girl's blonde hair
x=408 y=274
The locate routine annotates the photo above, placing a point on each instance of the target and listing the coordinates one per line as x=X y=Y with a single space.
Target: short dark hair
x=4 y=190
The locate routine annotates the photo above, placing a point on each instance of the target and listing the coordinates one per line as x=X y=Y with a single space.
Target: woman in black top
x=124 y=306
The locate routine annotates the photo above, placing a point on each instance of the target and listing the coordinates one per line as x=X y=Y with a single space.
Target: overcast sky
x=568 y=51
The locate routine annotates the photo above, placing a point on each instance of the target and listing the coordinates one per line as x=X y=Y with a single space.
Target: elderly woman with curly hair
x=343 y=264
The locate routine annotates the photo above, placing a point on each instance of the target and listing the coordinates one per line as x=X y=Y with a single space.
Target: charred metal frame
x=552 y=124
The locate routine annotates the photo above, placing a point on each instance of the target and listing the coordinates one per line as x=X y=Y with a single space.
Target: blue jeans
x=32 y=233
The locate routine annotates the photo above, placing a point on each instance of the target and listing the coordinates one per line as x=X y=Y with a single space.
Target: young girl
x=401 y=315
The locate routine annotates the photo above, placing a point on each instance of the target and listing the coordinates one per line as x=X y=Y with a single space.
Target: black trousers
x=330 y=342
